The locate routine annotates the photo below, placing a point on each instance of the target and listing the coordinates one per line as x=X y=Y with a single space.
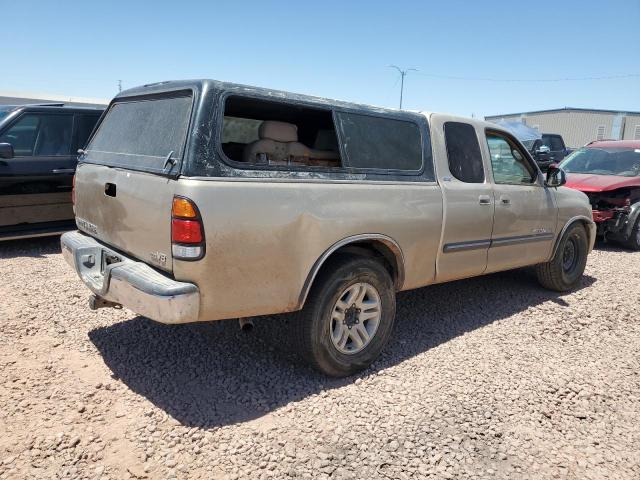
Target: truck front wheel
x=348 y=317
x=564 y=271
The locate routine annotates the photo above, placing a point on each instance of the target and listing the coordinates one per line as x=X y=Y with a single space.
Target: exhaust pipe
x=246 y=324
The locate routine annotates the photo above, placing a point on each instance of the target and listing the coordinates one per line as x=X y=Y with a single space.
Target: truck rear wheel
x=564 y=271
x=348 y=317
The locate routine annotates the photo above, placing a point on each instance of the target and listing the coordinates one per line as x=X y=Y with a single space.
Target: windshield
x=4 y=111
x=624 y=162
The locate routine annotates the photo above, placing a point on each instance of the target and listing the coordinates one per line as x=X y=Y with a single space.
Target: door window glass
x=40 y=135
x=463 y=152
x=508 y=162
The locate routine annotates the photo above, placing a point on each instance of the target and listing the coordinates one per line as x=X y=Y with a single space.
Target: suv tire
x=564 y=271
x=348 y=316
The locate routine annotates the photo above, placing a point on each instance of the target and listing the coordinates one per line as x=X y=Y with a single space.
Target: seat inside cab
x=260 y=132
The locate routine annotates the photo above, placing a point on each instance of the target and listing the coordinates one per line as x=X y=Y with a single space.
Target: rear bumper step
x=118 y=279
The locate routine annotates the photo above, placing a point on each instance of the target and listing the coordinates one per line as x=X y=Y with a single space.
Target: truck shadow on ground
x=213 y=374
x=30 y=247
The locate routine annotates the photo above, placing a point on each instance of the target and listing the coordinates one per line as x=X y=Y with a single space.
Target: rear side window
x=380 y=143
x=141 y=134
x=463 y=152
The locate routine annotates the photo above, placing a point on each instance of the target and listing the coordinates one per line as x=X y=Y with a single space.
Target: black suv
x=38 y=156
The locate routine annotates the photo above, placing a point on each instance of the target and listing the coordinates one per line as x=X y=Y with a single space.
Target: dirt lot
x=485 y=378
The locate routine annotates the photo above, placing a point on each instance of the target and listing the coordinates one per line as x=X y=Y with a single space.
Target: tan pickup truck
x=203 y=200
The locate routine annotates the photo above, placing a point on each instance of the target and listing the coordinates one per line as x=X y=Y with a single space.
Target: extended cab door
x=525 y=213
x=468 y=204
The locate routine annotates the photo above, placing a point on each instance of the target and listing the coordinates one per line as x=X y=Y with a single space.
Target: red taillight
x=185 y=231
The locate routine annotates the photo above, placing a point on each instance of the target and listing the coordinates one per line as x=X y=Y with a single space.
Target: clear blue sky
x=337 y=49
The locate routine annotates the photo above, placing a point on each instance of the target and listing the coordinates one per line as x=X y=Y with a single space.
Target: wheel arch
x=371 y=245
x=589 y=226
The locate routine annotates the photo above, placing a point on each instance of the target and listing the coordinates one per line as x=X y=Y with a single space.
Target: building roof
x=8 y=97
x=564 y=109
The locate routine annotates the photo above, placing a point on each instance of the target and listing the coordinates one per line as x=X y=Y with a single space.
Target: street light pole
x=402 y=73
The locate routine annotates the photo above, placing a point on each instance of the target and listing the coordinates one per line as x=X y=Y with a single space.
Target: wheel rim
x=570 y=255
x=355 y=318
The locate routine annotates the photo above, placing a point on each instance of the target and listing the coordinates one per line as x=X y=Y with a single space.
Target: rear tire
x=348 y=316
x=564 y=271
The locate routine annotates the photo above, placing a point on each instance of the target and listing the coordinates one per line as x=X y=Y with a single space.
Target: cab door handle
x=63 y=170
x=484 y=200
x=505 y=200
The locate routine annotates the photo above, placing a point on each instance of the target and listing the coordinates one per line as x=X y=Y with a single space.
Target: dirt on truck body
x=203 y=200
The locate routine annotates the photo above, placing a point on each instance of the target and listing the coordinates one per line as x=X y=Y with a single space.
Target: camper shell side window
x=257 y=133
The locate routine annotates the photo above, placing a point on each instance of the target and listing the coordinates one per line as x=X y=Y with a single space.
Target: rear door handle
x=505 y=200
x=63 y=170
x=484 y=200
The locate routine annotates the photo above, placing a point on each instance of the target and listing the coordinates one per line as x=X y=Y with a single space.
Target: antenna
x=119 y=86
x=403 y=73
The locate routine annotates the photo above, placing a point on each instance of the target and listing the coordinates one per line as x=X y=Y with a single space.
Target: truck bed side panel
x=263 y=237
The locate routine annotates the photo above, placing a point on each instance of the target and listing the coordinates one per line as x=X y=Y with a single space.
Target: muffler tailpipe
x=246 y=324
x=96 y=302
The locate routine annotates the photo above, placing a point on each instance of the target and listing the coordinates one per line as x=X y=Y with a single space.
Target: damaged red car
x=609 y=173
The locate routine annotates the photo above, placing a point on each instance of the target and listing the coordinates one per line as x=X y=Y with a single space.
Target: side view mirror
x=6 y=150
x=556 y=177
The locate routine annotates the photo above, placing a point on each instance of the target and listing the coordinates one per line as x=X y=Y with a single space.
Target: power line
x=532 y=80
x=403 y=73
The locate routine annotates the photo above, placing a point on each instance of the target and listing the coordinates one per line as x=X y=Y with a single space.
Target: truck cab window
x=508 y=162
x=463 y=152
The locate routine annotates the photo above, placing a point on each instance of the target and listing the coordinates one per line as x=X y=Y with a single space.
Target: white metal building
x=22 y=98
x=579 y=126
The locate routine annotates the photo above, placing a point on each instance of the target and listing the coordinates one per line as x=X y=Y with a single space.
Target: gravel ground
x=491 y=377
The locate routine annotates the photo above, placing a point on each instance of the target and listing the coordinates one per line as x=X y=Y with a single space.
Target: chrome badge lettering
x=86 y=226
x=159 y=257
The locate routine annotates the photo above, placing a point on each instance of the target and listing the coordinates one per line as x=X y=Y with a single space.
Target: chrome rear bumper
x=116 y=278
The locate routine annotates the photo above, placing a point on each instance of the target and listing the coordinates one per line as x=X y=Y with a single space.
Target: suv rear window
x=141 y=134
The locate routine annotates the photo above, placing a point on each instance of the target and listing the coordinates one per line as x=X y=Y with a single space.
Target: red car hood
x=586 y=182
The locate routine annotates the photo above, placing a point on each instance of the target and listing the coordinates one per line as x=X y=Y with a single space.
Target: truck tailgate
x=129 y=210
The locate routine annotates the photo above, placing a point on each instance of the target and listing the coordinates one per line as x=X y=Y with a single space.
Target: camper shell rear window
x=143 y=133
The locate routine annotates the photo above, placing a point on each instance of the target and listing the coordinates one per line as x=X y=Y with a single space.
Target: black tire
x=633 y=242
x=311 y=327
x=564 y=271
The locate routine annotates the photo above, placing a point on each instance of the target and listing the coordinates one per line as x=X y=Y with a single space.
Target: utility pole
x=119 y=86
x=403 y=73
